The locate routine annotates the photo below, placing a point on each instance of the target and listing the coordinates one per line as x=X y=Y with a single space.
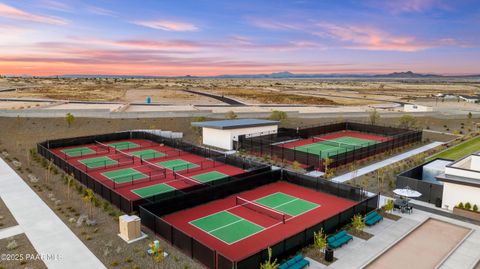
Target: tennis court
x=147 y=154
x=80 y=151
x=96 y=162
x=247 y=222
x=153 y=190
x=287 y=204
x=227 y=227
x=177 y=165
x=331 y=147
x=209 y=176
x=124 y=145
x=124 y=175
x=230 y=227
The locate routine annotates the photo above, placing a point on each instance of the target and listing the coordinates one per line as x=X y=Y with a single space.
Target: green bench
x=297 y=262
x=372 y=218
x=339 y=239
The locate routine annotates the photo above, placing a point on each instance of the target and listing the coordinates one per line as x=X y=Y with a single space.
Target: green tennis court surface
x=210 y=176
x=98 y=162
x=124 y=175
x=287 y=204
x=124 y=145
x=331 y=148
x=153 y=190
x=147 y=154
x=227 y=227
x=78 y=151
x=177 y=164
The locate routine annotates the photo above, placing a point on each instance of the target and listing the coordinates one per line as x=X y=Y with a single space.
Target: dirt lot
x=6 y=218
x=269 y=91
x=21 y=256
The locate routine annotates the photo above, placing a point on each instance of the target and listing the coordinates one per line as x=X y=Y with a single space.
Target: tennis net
x=154 y=167
x=333 y=143
x=124 y=154
x=103 y=146
x=260 y=209
x=187 y=180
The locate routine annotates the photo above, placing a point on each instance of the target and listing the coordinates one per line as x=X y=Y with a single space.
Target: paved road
x=47 y=233
x=222 y=98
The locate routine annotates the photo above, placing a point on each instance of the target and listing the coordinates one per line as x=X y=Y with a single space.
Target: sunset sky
x=199 y=37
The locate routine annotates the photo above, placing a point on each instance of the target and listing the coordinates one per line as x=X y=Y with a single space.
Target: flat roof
x=234 y=124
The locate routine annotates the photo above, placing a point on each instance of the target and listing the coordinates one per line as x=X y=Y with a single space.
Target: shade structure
x=407 y=192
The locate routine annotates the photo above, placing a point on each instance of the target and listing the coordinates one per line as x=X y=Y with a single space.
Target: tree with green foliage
x=280 y=116
x=69 y=118
x=460 y=205
x=358 y=222
x=231 y=115
x=469 y=116
x=326 y=167
x=407 y=122
x=269 y=264
x=475 y=208
x=389 y=206
x=90 y=199
x=468 y=206
x=320 y=240
x=373 y=116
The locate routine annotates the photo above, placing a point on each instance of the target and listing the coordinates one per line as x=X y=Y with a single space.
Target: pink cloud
x=410 y=5
x=101 y=11
x=370 y=38
x=174 y=26
x=14 y=13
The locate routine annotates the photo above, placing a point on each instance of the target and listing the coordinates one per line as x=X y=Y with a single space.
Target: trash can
x=149 y=100
x=329 y=255
x=438 y=202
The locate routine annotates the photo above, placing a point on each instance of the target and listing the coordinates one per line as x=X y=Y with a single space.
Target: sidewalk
x=47 y=233
x=378 y=165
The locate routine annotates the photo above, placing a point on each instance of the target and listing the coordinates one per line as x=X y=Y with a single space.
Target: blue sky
x=49 y=37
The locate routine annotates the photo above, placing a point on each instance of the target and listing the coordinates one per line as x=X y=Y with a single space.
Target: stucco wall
x=455 y=193
x=223 y=138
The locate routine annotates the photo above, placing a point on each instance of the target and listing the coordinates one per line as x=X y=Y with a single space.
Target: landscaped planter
x=466 y=213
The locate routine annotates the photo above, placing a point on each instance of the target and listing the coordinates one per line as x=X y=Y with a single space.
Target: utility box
x=129 y=227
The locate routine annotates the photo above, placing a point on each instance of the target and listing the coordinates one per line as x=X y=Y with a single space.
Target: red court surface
x=345 y=133
x=275 y=231
x=155 y=176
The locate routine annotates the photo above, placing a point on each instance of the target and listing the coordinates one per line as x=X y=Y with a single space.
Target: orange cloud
x=14 y=13
x=174 y=26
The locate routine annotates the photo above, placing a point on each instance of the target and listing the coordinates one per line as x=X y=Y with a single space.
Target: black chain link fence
x=108 y=192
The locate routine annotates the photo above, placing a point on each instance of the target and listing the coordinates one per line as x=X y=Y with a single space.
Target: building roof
x=459 y=180
x=234 y=124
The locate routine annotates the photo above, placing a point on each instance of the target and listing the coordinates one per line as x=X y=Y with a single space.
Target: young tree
x=296 y=165
x=373 y=116
x=389 y=205
x=158 y=255
x=231 y=115
x=69 y=118
x=69 y=184
x=320 y=240
x=49 y=170
x=407 y=122
x=326 y=166
x=358 y=222
x=269 y=264
x=280 y=116
x=380 y=173
x=90 y=199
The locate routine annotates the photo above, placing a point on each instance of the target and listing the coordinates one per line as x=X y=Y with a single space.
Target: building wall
x=456 y=193
x=224 y=138
x=217 y=138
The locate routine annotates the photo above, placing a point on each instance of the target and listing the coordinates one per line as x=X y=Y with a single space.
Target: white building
x=416 y=108
x=223 y=133
x=461 y=182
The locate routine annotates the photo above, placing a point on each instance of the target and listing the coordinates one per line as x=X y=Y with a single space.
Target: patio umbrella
x=407 y=192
